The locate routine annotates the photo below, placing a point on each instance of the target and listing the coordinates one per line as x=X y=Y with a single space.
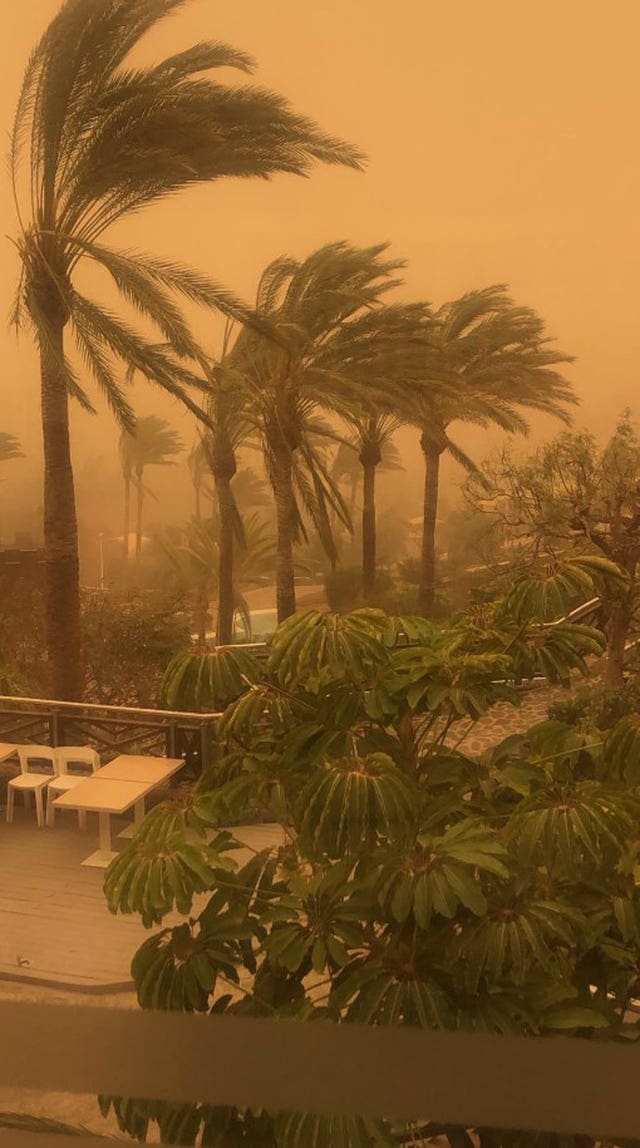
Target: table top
x=7 y=750
x=109 y=796
x=137 y=767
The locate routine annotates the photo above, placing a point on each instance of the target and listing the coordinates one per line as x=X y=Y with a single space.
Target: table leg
x=105 y=854
x=104 y=823
x=138 y=815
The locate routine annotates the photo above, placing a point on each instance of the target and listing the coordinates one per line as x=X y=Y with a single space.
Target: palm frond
x=203 y=57
x=98 y=364
x=149 y=359
x=139 y=272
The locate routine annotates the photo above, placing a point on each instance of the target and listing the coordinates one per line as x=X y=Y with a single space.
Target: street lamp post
x=101 y=549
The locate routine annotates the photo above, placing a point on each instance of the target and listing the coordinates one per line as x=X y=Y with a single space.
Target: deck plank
x=54 y=922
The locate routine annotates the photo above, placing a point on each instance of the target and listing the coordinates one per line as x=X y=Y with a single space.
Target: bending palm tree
x=229 y=429
x=9 y=447
x=337 y=347
x=498 y=360
x=152 y=443
x=103 y=140
x=249 y=489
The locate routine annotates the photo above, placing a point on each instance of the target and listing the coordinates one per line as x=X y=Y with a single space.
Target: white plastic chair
x=38 y=767
x=75 y=763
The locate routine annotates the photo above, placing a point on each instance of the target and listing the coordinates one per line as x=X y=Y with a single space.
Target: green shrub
x=415 y=886
x=128 y=641
x=598 y=706
x=343 y=588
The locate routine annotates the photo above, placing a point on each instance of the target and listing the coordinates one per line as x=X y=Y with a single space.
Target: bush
x=343 y=587
x=415 y=886
x=344 y=593
x=24 y=670
x=128 y=642
x=598 y=706
x=11 y=682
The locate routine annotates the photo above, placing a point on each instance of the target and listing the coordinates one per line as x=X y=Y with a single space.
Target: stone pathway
x=504 y=719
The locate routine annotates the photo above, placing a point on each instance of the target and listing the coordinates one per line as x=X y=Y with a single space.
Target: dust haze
x=502 y=149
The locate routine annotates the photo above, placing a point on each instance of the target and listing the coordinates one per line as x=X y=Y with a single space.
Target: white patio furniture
x=7 y=750
x=139 y=767
x=38 y=767
x=75 y=763
x=104 y=797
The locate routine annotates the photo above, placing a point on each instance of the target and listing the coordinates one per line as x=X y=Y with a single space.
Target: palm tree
x=195 y=558
x=346 y=469
x=498 y=360
x=9 y=447
x=152 y=443
x=100 y=140
x=372 y=440
x=228 y=430
x=337 y=345
x=250 y=491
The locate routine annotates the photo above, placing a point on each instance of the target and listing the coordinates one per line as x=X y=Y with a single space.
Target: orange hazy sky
x=502 y=143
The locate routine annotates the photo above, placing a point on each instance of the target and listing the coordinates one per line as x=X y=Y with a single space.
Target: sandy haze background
x=502 y=140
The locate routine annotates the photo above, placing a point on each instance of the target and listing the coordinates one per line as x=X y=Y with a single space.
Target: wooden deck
x=55 y=926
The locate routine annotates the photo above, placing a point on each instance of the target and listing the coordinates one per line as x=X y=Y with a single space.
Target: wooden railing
x=472 y=1080
x=110 y=729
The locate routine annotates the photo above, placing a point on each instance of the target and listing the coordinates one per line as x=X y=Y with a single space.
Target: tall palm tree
x=371 y=448
x=337 y=345
x=498 y=360
x=97 y=139
x=229 y=429
x=152 y=443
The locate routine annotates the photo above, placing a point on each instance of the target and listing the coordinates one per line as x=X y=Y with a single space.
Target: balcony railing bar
x=78 y=708
x=562 y=1085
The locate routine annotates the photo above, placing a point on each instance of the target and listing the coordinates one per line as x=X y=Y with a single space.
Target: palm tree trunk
x=222 y=462
x=368 y=530
x=127 y=516
x=198 y=502
x=285 y=525
x=62 y=570
x=226 y=588
x=139 y=511
x=427 y=587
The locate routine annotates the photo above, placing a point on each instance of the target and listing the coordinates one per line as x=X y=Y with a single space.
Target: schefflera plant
x=414 y=884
